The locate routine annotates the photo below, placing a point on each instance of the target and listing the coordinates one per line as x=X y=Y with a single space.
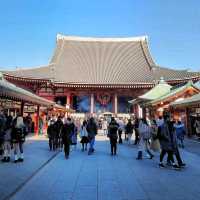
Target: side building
x=96 y=75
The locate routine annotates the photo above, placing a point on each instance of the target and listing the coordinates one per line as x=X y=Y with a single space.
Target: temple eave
x=96 y=85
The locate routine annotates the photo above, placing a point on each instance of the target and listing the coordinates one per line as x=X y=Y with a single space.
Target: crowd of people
x=64 y=132
x=157 y=135
x=12 y=136
x=161 y=135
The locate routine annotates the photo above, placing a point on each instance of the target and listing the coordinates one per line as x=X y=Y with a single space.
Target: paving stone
x=104 y=177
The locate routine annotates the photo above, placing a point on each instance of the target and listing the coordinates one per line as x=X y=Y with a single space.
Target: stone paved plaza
x=47 y=176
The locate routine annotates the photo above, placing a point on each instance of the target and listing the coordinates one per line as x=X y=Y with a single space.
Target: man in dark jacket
x=92 y=132
x=67 y=132
x=112 y=133
x=167 y=138
x=58 y=128
x=51 y=132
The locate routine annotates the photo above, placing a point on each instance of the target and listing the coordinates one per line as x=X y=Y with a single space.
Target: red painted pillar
x=68 y=99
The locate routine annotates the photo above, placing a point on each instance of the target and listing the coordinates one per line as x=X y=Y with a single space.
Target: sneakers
x=174 y=166
x=182 y=165
x=161 y=165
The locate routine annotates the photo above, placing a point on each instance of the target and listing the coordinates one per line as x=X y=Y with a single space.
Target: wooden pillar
x=37 y=120
x=68 y=99
x=92 y=104
x=22 y=108
x=115 y=104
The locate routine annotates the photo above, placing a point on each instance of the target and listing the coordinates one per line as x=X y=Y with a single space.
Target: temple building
x=96 y=75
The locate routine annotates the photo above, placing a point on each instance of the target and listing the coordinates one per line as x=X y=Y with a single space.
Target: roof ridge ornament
x=101 y=39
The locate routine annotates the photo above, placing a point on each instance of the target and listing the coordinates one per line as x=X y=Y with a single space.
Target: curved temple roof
x=83 y=60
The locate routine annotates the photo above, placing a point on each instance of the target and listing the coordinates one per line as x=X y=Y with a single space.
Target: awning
x=11 y=91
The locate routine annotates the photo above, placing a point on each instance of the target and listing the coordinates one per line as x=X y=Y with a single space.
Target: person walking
x=105 y=127
x=136 y=128
x=145 y=135
x=58 y=126
x=41 y=124
x=18 y=138
x=84 y=136
x=129 y=130
x=120 y=130
x=92 y=132
x=176 y=152
x=167 y=138
x=66 y=132
x=180 y=133
x=28 y=122
x=51 y=132
x=112 y=133
x=7 y=139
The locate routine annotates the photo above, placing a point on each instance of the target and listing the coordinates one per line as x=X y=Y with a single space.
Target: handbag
x=155 y=145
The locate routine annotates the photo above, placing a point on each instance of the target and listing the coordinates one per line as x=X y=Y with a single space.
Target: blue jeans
x=92 y=141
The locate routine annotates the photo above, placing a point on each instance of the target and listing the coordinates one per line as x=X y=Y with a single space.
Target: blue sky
x=29 y=27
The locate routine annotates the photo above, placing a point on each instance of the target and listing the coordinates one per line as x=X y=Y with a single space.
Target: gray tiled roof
x=102 y=61
x=170 y=74
x=38 y=72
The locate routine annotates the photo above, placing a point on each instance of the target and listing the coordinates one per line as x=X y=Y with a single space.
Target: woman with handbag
x=145 y=135
x=18 y=138
x=112 y=133
x=84 y=136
